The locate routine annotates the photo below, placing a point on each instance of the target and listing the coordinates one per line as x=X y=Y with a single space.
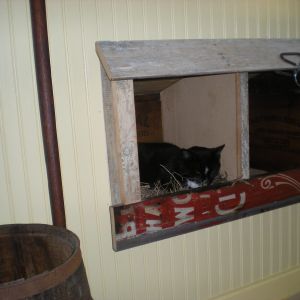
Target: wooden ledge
x=159 y=218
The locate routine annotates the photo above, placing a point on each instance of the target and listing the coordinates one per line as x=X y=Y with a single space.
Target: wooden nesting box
x=202 y=89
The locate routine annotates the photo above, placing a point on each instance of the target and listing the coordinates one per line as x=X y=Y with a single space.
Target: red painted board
x=173 y=211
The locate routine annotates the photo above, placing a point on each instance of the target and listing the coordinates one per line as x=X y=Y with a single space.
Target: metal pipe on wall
x=47 y=112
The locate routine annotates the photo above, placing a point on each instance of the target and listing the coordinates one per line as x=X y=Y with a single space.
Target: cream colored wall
x=198 y=265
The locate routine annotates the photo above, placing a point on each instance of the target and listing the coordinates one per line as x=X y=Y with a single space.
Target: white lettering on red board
x=185 y=200
x=153 y=225
x=153 y=210
x=183 y=214
x=223 y=212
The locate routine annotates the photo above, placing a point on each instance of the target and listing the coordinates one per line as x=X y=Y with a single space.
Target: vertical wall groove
x=104 y=286
x=129 y=17
x=197 y=263
x=268 y=20
x=91 y=147
x=186 y=32
x=18 y=112
x=231 y=258
x=147 y=291
x=184 y=251
x=242 y=282
x=219 y=251
x=158 y=271
x=297 y=10
x=115 y=36
x=199 y=27
x=251 y=253
x=158 y=16
x=261 y=246
x=6 y=179
x=209 y=273
x=131 y=273
x=73 y=133
x=7 y=182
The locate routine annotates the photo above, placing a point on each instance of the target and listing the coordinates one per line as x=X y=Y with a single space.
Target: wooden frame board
x=182 y=58
x=121 y=137
x=151 y=67
x=159 y=218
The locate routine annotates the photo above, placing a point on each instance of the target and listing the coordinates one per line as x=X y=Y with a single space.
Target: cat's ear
x=219 y=149
x=185 y=154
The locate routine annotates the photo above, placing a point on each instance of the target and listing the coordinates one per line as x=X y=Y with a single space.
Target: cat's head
x=200 y=166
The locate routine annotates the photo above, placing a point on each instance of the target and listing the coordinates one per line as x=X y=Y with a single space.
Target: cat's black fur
x=193 y=167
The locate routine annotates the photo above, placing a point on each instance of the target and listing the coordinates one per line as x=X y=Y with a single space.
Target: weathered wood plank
x=243 y=124
x=126 y=143
x=170 y=215
x=110 y=125
x=40 y=261
x=177 y=58
x=121 y=136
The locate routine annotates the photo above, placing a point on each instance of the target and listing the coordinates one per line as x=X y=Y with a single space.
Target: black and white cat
x=193 y=167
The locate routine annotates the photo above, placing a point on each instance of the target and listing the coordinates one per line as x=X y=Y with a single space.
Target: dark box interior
x=274 y=121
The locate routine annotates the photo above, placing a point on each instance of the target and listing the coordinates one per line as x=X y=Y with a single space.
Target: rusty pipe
x=47 y=111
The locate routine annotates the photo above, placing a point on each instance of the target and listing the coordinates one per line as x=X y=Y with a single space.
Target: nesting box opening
x=203 y=92
x=200 y=111
x=187 y=93
x=274 y=114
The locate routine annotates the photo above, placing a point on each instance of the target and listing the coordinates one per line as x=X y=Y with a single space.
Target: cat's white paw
x=192 y=184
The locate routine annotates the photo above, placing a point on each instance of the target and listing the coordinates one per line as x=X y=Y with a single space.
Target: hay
x=174 y=186
x=220 y=179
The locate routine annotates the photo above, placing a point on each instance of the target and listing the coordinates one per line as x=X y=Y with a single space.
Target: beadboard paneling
x=24 y=192
x=199 y=265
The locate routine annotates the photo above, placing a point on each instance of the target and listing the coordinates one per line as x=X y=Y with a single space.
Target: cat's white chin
x=192 y=184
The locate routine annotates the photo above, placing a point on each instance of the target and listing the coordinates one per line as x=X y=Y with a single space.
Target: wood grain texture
x=126 y=143
x=41 y=262
x=190 y=210
x=173 y=58
x=243 y=124
x=110 y=130
x=121 y=135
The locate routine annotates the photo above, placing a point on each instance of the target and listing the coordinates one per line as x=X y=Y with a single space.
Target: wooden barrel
x=40 y=261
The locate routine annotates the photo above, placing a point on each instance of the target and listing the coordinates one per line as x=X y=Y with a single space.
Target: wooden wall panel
x=179 y=268
x=23 y=191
